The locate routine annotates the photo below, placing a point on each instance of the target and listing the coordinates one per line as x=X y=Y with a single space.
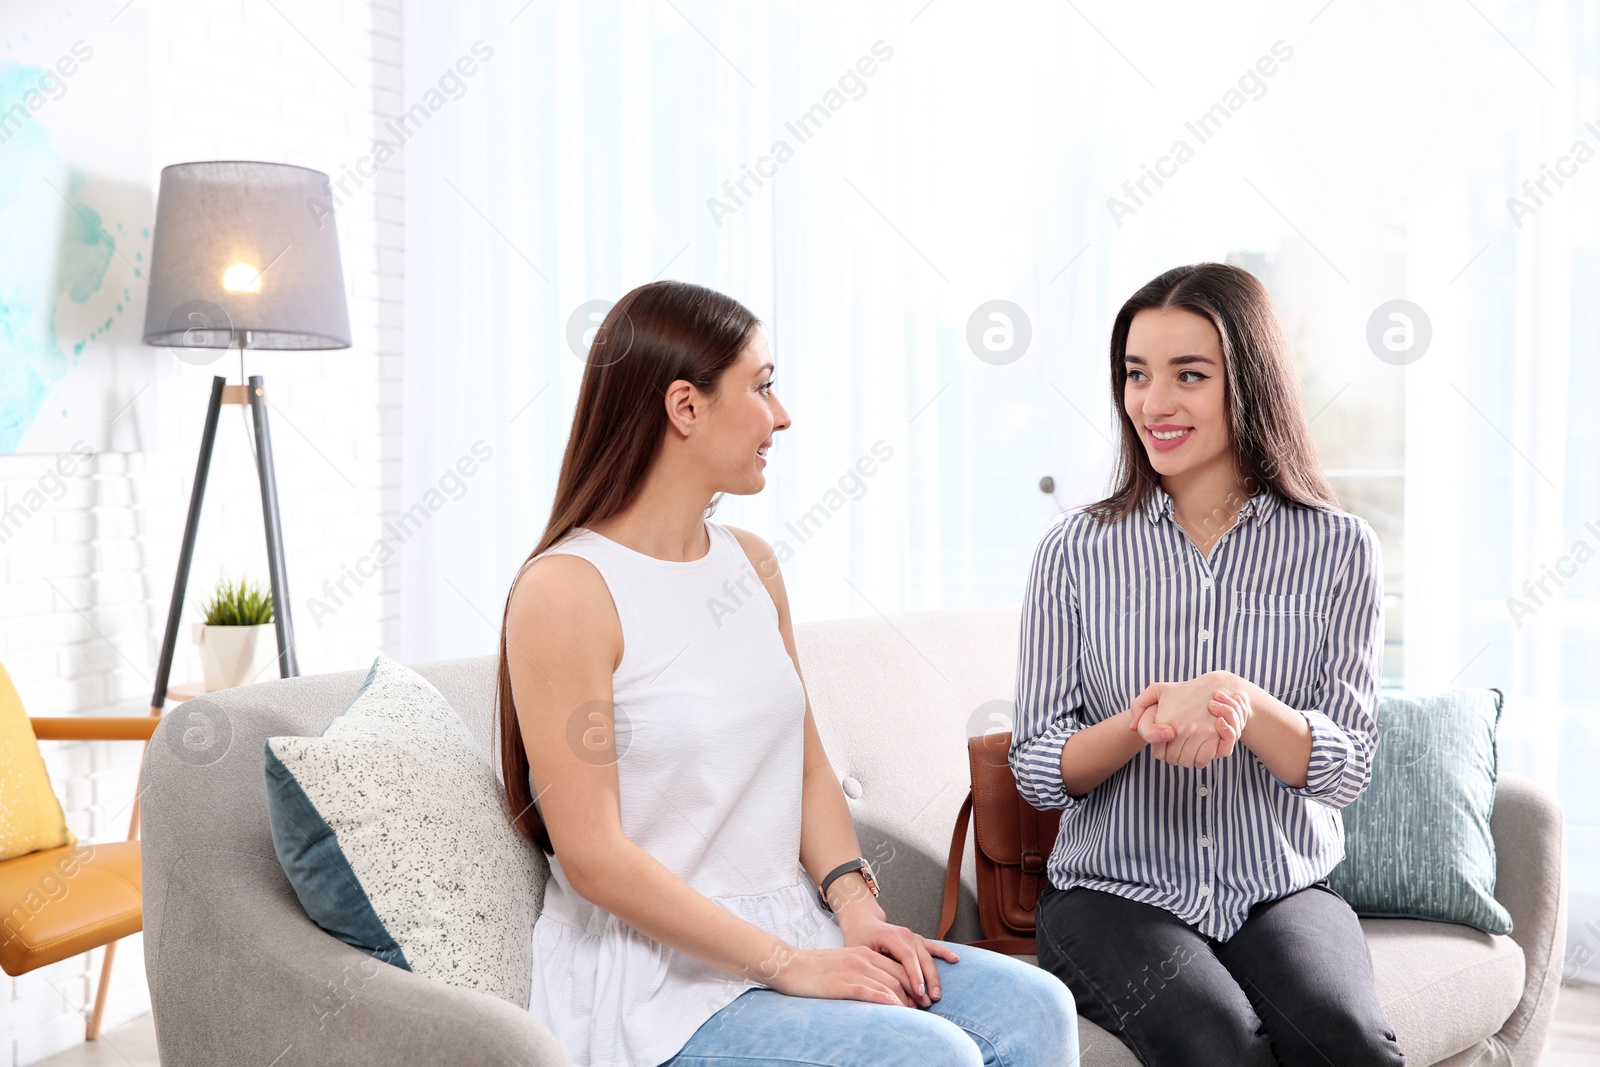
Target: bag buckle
x=1036 y=866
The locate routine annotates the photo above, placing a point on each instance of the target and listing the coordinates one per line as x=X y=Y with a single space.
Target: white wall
x=85 y=582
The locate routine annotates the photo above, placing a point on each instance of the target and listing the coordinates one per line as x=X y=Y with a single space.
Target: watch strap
x=856 y=864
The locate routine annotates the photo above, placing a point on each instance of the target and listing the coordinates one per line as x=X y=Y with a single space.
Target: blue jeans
x=994 y=1010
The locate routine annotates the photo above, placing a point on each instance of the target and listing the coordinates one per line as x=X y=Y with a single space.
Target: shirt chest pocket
x=1277 y=640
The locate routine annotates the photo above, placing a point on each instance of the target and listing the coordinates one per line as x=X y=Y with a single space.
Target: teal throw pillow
x=1417 y=841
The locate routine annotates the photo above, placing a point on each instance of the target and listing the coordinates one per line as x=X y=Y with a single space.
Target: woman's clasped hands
x=1189 y=724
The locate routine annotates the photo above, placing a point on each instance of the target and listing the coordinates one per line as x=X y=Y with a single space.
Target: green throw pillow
x=1417 y=842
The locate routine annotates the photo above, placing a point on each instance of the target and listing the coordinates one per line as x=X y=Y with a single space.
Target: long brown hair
x=655 y=335
x=1267 y=428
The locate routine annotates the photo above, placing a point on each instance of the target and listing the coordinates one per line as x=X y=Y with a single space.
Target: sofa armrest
x=1531 y=881
x=238 y=973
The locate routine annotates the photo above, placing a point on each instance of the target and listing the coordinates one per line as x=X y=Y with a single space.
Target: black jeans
x=1293 y=986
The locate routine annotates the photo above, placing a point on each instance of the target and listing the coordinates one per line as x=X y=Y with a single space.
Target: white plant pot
x=236 y=655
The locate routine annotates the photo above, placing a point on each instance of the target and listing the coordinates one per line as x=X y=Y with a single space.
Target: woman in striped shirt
x=1197 y=691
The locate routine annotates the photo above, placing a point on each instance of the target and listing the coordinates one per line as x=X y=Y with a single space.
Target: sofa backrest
x=894 y=699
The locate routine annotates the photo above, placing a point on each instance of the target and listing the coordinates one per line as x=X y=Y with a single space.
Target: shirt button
x=1205 y=842
x=1205 y=581
x=1204 y=790
x=1205 y=891
x=1205 y=635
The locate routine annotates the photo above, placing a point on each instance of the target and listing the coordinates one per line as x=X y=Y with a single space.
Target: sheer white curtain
x=922 y=175
x=1363 y=153
x=1503 y=504
x=560 y=177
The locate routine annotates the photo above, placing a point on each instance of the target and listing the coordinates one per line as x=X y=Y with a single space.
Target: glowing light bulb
x=241 y=278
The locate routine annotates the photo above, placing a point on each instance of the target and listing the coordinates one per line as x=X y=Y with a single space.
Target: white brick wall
x=84 y=585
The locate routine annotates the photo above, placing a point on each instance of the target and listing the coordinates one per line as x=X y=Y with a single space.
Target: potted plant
x=236 y=641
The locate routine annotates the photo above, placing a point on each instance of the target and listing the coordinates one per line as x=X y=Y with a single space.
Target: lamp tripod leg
x=191 y=528
x=283 y=624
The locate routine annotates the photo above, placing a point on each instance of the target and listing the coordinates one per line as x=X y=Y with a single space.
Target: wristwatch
x=859 y=864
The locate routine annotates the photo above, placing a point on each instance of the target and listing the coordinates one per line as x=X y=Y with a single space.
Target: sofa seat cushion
x=1445 y=987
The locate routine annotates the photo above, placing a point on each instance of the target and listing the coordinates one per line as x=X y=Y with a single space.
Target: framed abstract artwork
x=76 y=211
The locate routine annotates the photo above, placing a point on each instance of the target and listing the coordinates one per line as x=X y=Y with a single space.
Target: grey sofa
x=238 y=973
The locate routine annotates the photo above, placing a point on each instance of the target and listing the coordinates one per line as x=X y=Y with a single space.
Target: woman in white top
x=681 y=783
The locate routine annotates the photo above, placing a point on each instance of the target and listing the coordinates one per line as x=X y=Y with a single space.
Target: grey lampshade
x=249 y=251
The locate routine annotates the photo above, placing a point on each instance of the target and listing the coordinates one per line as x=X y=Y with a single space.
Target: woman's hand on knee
x=909 y=953
x=854 y=972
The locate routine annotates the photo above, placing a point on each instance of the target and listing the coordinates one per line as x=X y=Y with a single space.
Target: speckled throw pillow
x=392 y=830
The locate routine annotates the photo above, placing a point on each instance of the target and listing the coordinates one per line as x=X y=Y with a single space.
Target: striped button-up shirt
x=1290 y=598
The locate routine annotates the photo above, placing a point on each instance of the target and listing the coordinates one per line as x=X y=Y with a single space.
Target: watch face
x=872 y=882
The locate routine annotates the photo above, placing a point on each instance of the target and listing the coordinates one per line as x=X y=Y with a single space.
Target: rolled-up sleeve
x=1344 y=724
x=1048 y=678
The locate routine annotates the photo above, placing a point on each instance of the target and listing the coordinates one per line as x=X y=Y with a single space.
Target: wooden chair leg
x=93 y=1032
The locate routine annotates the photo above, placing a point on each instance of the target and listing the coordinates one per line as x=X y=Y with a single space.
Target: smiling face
x=745 y=416
x=1174 y=391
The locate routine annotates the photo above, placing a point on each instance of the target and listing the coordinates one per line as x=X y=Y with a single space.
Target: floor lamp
x=244 y=255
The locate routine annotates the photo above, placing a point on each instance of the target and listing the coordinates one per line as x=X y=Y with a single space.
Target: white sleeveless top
x=710 y=735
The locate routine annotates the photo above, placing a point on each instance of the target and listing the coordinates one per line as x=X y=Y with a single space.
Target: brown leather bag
x=1014 y=840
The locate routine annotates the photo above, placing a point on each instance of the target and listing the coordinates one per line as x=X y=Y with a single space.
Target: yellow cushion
x=30 y=815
